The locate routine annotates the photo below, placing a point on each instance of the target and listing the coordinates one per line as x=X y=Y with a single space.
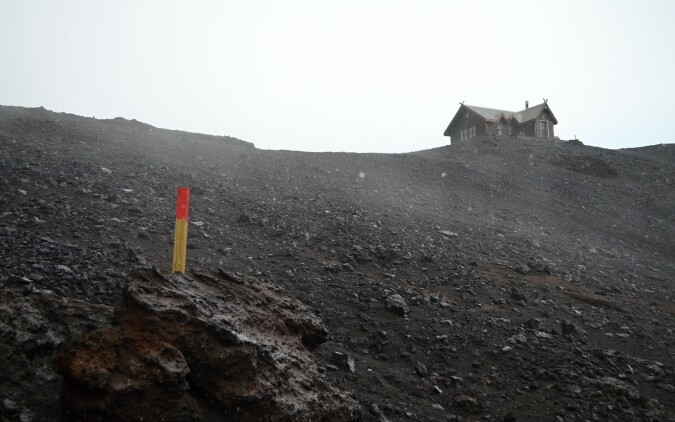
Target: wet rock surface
x=34 y=327
x=203 y=345
x=537 y=277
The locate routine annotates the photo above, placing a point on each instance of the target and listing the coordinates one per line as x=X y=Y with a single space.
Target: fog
x=361 y=76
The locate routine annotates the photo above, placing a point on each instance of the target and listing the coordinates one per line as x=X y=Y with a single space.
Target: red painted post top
x=182 y=203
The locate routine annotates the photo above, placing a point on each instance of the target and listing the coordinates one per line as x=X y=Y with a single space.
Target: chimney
x=527 y=105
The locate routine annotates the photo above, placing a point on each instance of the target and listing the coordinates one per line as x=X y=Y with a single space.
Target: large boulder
x=202 y=346
x=34 y=325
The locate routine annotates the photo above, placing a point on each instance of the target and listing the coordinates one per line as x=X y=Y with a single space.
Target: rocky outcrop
x=34 y=325
x=202 y=347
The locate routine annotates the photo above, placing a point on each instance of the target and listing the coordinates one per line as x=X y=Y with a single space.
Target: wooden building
x=472 y=121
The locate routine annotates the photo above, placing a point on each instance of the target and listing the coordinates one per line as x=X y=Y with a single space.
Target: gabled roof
x=533 y=112
x=490 y=114
x=494 y=115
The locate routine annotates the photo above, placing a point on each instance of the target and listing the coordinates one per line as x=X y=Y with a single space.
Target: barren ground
x=536 y=277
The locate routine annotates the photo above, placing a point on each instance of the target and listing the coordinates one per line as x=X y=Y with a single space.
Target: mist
x=354 y=76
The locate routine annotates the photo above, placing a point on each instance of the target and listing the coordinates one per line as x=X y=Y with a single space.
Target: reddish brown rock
x=202 y=346
x=33 y=327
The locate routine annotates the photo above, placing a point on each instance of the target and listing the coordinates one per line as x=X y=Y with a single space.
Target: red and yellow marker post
x=180 y=238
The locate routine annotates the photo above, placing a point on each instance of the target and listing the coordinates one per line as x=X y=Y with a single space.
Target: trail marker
x=180 y=238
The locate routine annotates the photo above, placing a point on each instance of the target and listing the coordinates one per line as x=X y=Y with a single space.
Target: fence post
x=180 y=237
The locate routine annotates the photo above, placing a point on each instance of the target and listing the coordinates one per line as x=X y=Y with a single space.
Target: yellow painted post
x=180 y=237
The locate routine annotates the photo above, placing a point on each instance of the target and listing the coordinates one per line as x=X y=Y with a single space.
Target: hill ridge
x=494 y=280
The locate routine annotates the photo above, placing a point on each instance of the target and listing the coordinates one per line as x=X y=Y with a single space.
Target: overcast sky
x=381 y=76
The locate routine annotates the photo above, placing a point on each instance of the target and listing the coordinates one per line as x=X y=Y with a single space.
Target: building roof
x=532 y=113
x=494 y=115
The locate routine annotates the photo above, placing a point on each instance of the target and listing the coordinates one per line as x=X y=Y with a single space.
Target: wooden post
x=180 y=238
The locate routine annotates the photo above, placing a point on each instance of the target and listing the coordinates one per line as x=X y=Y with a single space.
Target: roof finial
x=545 y=100
x=462 y=103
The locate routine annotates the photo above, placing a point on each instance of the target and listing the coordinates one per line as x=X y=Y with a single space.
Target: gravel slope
x=496 y=281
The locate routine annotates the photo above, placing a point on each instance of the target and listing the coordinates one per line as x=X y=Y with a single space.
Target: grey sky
x=360 y=75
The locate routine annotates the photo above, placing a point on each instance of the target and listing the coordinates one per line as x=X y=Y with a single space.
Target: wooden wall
x=467 y=119
x=545 y=115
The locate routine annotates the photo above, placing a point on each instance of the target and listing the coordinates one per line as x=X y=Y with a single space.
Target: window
x=467 y=133
x=500 y=129
x=510 y=130
x=544 y=129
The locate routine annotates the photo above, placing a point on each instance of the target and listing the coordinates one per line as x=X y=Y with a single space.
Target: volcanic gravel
x=499 y=280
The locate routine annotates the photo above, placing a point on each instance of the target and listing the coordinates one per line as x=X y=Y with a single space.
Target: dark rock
x=396 y=304
x=21 y=281
x=509 y=417
x=534 y=323
x=569 y=328
x=427 y=258
x=343 y=360
x=332 y=268
x=27 y=289
x=362 y=257
x=467 y=403
x=421 y=369
x=244 y=219
x=245 y=349
x=32 y=328
x=523 y=269
x=64 y=268
x=135 y=211
x=29 y=347
x=9 y=407
x=617 y=386
x=516 y=294
x=35 y=277
x=347 y=267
